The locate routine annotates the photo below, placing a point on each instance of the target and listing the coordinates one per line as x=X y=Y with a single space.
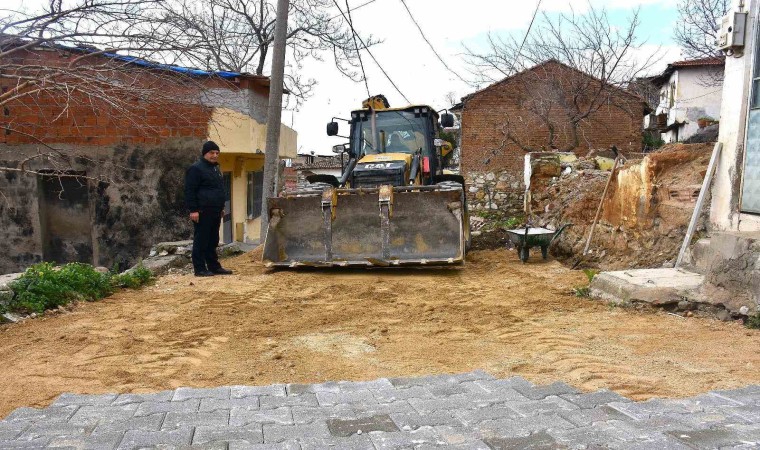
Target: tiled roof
x=714 y=61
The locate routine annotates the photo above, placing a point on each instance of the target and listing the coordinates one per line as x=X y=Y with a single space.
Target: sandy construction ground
x=260 y=327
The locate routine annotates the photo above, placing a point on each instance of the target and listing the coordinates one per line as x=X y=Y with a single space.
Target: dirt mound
x=645 y=214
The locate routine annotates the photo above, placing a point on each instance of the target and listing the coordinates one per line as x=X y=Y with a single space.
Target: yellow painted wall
x=240 y=164
x=236 y=132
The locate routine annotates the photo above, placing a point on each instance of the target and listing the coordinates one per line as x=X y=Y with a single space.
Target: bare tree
x=73 y=58
x=237 y=35
x=697 y=25
x=596 y=63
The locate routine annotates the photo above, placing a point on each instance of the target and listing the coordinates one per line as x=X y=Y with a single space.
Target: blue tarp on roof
x=179 y=69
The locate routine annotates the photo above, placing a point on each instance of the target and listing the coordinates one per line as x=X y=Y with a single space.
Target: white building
x=688 y=91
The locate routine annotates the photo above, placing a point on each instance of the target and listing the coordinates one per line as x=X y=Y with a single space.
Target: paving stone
x=278 y=433
x=84 y=399
x=332 y=398
x=354 y=442
x=124 y=399
x=148 y=408
x=474 y=445
x=42 y=429
x=212 y=404
x=747 y=413
x=221 y=393
x=551 y=404
x=393 y=394
x=374 y=385
x=250 y=434
x=50 y=414
x=446 y=390
x=308 y=414
x=348 y=427
x=89 y=442
x=134 y=439
x=275 y=390
x=749 y=395
x=541 y=392
x=175 y=420
x=415 y=420
x=708 y=439
x=535 y=441
x=444 y=404
x=306 y=399
x=405 y=439
x=92 y=415
x=645 y=410
x=522 y=426
x=241 y=445
x=298 y=389
x=10 y=430
x=440 y=379
x=400 y=406
x=243 y=416
x=473 y=416
x=145 y=423
x=586 y=417
x=31 y=444
x=594 y=399
x=509 y=383
x=458 y=435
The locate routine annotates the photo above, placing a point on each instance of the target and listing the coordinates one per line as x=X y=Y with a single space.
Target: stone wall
x=139 y=202
x=503 y=191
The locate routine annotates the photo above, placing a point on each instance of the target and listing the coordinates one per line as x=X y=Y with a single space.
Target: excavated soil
x=260 y=327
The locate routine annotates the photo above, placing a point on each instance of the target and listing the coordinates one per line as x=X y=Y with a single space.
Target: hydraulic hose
x=415 y=168
x=347 y=173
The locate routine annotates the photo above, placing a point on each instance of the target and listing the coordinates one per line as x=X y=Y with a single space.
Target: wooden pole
x=601 y=203
x=700 y=200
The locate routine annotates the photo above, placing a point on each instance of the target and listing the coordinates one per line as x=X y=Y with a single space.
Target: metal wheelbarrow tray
x=525 y=238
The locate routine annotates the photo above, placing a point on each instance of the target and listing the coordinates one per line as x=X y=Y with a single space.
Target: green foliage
x=652 y=141
x=590 y=274
x=496 y=220
x=753 y=322
x=45 y=286
x=133 y=278
x=582 y=291
x=450 y=137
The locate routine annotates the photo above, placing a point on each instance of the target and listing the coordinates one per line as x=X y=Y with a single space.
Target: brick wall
x=488 y=116
x=156 y=106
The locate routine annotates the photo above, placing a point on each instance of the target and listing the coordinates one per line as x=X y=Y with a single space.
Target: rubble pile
x=645 y=213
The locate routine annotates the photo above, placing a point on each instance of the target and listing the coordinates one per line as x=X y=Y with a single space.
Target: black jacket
x=204 y=187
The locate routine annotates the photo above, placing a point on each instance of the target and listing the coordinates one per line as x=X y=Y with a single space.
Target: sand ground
x=259 y=327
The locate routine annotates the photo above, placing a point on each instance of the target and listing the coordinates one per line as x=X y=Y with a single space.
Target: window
x=255 y=189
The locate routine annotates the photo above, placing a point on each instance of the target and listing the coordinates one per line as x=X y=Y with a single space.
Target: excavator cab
x=393 y=205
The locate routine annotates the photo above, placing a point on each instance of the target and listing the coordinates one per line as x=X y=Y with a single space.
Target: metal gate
x=750 y=200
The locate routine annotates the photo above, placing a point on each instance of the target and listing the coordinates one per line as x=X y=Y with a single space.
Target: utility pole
x=274 y=111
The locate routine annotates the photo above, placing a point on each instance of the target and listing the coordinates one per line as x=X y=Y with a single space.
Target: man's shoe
x=204 y=273
x=221 y=271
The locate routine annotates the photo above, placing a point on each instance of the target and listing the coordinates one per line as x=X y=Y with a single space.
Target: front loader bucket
x=414 y=225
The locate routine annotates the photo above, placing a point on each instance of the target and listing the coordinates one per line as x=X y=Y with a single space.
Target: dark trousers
x=205 y=240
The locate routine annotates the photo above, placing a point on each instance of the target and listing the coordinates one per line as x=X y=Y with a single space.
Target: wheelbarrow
x=528 y=237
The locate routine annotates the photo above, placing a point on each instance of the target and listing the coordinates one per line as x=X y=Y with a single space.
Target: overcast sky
x=449 y=25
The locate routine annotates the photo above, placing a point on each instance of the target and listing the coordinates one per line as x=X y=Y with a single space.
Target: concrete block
x=221 y=393
x=92 y=415
x=707 y=438
x=399 y=406
x=176 y=420
x=473 y=416
x=331 y=398
x=540 y=440
x=278 y=433
x=243 y=416
x=306 y=399
x=143 y=423
x=551 y=404
x=11 y=430
x=142 y=439
x=541 y=392
x=522 y=426
x=298 y=389
x=348 y=427
x=242 y=445
x=353 y=442
x=212 y=404
x=395 y=394
x=274 y=390
x=594 y=399
x=51 y=414
x=405 y=439
x=656 y=286
x=251 y=434
x=446 y=404
x=309 y=414
x=587 y=417
x=163 y=396
x=374 y=385
x=91 y=442
x=415 y=420
x=148 y=408
x=35 y=444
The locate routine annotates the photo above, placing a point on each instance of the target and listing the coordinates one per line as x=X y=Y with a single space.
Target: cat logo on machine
x=387 y=165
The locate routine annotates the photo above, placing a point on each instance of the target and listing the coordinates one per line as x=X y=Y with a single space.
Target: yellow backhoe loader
x=393 y=205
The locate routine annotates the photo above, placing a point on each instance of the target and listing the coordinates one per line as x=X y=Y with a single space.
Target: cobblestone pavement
x=466 y=411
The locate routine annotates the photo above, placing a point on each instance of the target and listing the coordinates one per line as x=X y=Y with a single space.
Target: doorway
x=64 y=208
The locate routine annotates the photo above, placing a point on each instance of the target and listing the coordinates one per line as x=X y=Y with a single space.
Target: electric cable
x=358 y=53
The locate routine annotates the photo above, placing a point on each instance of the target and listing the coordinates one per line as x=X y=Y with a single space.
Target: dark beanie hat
x=208 y=146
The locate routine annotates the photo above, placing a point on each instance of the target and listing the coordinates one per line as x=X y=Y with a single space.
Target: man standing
x=204 y=198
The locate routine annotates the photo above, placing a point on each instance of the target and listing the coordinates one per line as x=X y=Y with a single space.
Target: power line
x=530 y=25
x=360 y=6
x=358 y=53
x=431 y=45
x=370 y=53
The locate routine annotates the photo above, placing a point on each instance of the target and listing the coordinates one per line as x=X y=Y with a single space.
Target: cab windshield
x=397 y=132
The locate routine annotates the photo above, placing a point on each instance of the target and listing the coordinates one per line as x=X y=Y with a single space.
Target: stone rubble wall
x=501 y=191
